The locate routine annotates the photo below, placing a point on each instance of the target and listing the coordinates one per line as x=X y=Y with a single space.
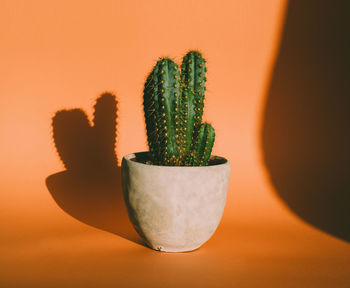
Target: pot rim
x=221 y=161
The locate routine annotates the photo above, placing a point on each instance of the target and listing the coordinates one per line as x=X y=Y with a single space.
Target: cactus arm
x=169 y=94
x=151 y=107
x=193 y=88
x=204 y=145
x=208 y=145
x=161 y=108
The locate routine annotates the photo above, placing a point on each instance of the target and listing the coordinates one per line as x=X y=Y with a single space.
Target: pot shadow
x=90 y=189
x=305 y=135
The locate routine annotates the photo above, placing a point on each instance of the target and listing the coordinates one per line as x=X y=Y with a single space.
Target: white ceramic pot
x=174 y=209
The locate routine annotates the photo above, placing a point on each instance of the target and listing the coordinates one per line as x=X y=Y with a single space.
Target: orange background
x=64 y=54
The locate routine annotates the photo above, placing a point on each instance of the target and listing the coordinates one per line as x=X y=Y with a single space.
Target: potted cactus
x=175 y=193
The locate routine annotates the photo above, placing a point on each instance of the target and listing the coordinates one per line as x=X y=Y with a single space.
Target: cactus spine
x=173 y=107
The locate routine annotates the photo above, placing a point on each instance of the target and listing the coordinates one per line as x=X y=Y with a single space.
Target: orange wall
x=63 y=54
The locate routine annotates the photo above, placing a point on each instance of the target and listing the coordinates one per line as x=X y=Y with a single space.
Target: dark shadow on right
x=306 y=126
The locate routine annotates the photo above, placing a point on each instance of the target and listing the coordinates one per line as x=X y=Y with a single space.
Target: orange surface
x=64 y=54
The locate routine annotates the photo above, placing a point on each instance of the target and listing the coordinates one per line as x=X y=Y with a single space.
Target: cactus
x=173 y=107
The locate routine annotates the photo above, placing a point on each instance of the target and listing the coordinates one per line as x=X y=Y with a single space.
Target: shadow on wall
x=305 y=134
x=90 y=189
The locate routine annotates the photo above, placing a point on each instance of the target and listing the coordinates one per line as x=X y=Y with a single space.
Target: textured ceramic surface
x=174 y=209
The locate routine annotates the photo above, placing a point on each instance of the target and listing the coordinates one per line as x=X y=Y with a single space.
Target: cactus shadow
x=305 y=133
x=90 y=188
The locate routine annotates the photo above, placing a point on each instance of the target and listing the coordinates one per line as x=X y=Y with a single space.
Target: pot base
x=174 y=250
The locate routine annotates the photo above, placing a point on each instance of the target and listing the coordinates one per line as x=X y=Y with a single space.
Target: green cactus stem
x=173 y=108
